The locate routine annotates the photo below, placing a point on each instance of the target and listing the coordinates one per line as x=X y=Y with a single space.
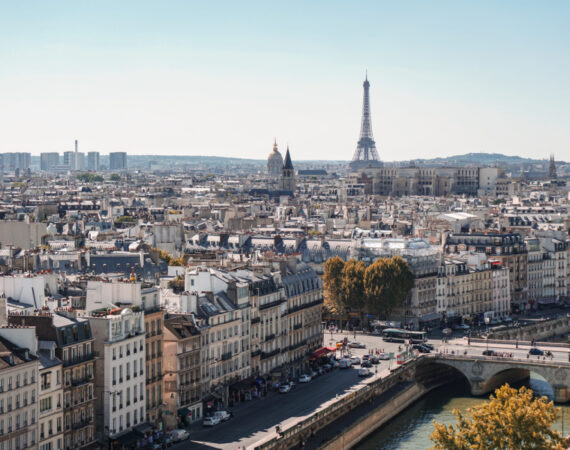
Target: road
x=255 y=420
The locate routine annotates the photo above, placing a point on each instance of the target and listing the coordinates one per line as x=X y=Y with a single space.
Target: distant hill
x=481 y=159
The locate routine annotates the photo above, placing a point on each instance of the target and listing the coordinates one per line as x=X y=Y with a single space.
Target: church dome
x=274 y=162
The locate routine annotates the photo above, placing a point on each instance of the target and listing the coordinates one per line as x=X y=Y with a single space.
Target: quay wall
x=375 y=419
x=539 y=330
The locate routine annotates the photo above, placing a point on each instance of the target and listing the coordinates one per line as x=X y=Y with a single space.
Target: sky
x=226 y=78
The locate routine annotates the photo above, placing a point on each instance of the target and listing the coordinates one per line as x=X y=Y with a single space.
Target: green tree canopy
x=512 y=419
x=332 y=285
x=387 y=284
x=115 y=177
x=352 y=286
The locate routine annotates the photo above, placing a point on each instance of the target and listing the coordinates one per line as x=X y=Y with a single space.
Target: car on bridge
x=536 y=351
x=489 y=353
x=356 y=345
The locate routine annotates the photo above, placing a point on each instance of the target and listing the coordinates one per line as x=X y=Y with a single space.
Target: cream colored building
x=50 y=398
x=19 y=369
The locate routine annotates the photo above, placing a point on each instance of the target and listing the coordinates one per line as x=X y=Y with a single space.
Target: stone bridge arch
x=485 y=374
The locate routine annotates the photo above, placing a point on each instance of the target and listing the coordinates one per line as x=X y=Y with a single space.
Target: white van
x=345 y=363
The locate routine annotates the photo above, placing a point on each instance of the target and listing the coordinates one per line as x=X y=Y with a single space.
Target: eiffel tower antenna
x=366 y=154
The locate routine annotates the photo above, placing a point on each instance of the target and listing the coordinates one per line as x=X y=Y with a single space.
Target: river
x=411 y=429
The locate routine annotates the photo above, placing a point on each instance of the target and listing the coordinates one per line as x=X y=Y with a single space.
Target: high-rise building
x=118 y=161
x=552 y=168
x=93 y=161
x=49 y=161
x=10 y=162
x=365 y=154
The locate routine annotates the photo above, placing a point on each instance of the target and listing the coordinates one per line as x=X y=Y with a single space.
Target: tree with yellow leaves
x=332 y=287
x=512 y=419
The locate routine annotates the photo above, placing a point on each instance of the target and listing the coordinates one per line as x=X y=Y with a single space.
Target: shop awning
x=322 y=352
x=128 y=439
x=430 y=317
x=183 y=412
x=143 y=428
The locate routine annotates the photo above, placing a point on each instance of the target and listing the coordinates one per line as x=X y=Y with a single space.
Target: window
x=45 y=404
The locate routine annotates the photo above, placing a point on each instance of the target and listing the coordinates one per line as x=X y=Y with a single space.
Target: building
x=49 y=161
x=10 y=162
x=432 y=181
x=120 y=387
x=508 y=248
x=117 y=161
x=501 y=290
x=424 y=260
x=287 y=182
x=50 y=398
x=74 y=347
x=274 y=162
x=93 y=161
x=19 y=368
x=182 y=385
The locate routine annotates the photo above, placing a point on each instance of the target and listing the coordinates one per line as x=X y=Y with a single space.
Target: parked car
x=374 y=360
x=304 y=378
x=364 y=372
x=536 y=351
x=428 y=345
x=179 y=435
x=356 y=345
x=489 y=353
x=421 y=348
x=312 y=373
x=328 y=367
x=355 y=360
x=345 y=363
x=223 y=415
x=365 y=357
x=382 y=357
x=334 y=363
x=284 y=388
x=366 y=363
x=210 y=421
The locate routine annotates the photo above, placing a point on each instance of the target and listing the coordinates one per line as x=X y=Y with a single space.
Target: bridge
x=485 y=374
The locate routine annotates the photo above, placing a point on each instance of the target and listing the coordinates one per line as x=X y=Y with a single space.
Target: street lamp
x=487 y=320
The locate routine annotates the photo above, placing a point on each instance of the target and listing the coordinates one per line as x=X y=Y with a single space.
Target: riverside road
x=256 y=420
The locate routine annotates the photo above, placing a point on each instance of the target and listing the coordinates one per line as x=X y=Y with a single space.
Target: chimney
x=76 y=146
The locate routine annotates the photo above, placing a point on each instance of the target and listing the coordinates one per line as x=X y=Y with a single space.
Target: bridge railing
x=521 y=343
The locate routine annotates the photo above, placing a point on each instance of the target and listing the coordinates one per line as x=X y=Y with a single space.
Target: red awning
x=322 y=351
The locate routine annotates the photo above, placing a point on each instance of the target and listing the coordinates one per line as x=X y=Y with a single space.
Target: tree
x=115 y=177
x=352 y=286
x=387 y=284
x=332 y=285
x=510 y=420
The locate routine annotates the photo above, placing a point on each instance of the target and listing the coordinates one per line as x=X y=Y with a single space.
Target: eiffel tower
x=366 y=154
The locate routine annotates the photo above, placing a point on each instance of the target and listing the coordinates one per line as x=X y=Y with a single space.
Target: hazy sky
x=226 y=77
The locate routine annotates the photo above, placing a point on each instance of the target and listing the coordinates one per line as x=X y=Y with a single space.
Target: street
x=256 y=419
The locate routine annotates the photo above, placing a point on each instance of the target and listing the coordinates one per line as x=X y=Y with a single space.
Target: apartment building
x=74 y=347
x=120 y=385
x=19 y=369
x=50 y=398
x=501 y=290
x=181 y=361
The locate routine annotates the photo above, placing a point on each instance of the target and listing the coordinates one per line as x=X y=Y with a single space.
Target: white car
x=284 y=388
x=384 y=356
x=210 y=421
x=355 y=360
x=364 y=372
x=345 y=363
x=179 y=435
x=304 y=378
x=223 y=415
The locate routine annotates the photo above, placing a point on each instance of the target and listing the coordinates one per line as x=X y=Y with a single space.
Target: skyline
x=225 y=80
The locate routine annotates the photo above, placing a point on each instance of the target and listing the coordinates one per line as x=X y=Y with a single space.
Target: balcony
x=226 y=356
x=81 y=381
x=81 y=424
x=269 y=337
x=77 y=360
x=297 y=326
x=272 y=304
x=255 y=353
x=255 y=320
x=265 y=355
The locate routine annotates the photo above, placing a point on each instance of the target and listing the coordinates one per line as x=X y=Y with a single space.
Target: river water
x=411 y=429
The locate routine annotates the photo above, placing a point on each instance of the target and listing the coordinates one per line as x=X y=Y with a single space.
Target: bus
x=404 y=336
